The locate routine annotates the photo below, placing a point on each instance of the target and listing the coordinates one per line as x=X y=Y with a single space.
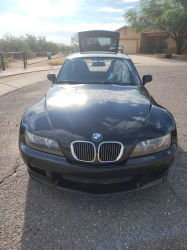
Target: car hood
x=116 y=112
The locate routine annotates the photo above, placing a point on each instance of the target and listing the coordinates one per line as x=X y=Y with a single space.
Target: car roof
x=96 y=54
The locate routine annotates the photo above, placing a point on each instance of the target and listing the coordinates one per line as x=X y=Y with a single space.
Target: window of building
x=125 y=31
x=164 y=42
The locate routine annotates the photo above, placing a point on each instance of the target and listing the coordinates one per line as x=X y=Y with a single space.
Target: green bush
x=152 y=47
x=168 y=55
x=31 y=44
x=10 y=43
x=30 y=54
x=28 y=43
x=159 y=47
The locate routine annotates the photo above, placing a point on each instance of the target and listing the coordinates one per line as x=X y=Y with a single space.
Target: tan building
x=136 y=42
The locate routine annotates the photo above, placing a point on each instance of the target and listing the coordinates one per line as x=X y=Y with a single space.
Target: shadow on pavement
x=154 y=218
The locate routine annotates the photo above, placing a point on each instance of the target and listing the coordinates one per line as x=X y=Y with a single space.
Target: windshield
x=98 y=70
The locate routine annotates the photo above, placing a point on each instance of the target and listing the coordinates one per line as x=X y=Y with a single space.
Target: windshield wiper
x=68 y=81
x=100 y=82
x=108 y=82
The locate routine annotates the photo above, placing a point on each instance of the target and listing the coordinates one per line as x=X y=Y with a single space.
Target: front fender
x=158 y=123
x=36 y=121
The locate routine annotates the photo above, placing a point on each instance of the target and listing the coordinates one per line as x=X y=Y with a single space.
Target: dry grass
x=6 y=64
x=58 y=61
x=9 y=58
x=182 y=57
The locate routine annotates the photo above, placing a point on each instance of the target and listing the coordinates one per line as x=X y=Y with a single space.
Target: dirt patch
x=37 y=62
x=162 y=56
x=58 y=61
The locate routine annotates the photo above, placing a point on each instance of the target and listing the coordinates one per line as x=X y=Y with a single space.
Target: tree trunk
x=179 y=46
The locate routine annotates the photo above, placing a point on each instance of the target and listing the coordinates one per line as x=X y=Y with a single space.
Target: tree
x=74 y=40
x=74 y=44
x=169 y=16
x=183 y=3
x=40 y=44
x=28 y=43
x=52 y=47
x=32 y=41
x=91 y=44
x=10 y=43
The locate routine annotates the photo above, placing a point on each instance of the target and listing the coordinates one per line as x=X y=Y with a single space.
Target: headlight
x=152 y=146
x=42 y=144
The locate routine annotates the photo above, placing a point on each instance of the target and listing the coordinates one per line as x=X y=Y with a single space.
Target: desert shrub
x=159 y=47
x=168 y=55
x=10 y=43
x=30 y=54
x=40 y=44
x=152 y=47
x=6 y=65
x=28 y=43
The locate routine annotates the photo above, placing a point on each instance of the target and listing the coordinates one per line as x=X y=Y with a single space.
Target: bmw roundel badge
x=96 y=137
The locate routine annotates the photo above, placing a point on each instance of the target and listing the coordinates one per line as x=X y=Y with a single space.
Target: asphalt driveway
x=34 y=216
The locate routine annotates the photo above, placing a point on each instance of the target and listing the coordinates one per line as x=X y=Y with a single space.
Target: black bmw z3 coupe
x=98 y=130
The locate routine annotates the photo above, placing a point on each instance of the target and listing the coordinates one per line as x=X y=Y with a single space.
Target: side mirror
x=147 y=78
x=51 y=77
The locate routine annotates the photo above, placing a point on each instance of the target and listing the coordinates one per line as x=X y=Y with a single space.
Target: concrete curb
x=20 y=83
x=22 y=71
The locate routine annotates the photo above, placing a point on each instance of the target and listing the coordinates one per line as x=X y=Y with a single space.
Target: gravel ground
x=34 y=216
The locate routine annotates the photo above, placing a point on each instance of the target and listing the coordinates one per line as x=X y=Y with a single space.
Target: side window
x=134 y=78
x=123 y=71
x=119 y=71
x=66 y=70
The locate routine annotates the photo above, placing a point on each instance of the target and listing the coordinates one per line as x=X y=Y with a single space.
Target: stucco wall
x=144 y=43
x=148 y=39
x=128 y=35
x=144 y=40
x=172 y=45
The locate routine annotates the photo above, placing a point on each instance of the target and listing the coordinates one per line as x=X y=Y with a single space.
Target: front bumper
x=137 y=173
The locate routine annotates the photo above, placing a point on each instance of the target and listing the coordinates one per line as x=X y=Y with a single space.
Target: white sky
x=58 y=20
